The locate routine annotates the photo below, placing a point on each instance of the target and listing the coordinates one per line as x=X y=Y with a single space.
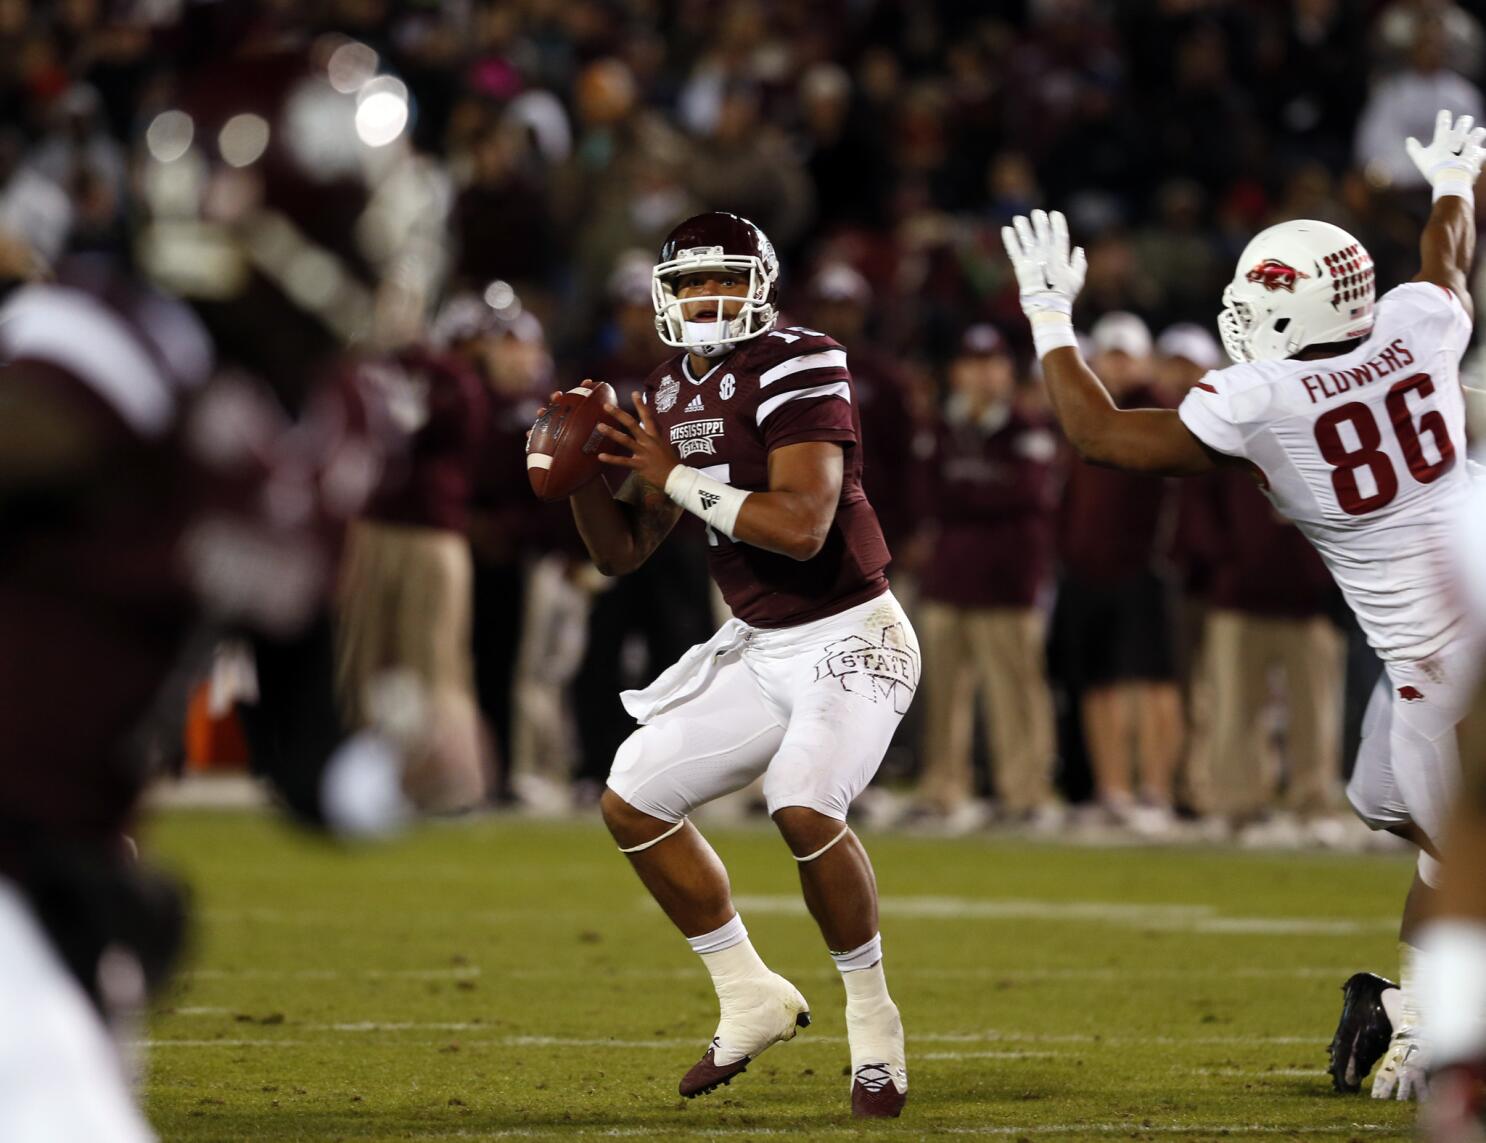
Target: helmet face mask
x=715 y=244
x=1298 y=284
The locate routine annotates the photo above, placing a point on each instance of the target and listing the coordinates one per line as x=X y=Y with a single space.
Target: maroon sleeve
x=805 y=394
x=810 y=419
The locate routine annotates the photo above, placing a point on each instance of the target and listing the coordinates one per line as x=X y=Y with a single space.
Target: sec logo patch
x=728 y=387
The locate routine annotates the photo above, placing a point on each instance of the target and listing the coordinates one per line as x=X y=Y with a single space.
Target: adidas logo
x=708 y=499
x=695 y=406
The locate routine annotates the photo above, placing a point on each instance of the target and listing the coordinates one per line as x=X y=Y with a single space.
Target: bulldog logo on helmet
x=1273 y=274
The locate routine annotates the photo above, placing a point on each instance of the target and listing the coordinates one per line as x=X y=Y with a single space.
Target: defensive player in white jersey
x=1351 y=417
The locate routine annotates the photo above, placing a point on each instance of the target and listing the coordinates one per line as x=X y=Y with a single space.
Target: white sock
x=729 y=956
x=720 y=938
x=873 y=1026
x=752 y=999
x=1453 y=994
x=1402 y=1003
x=862 y=957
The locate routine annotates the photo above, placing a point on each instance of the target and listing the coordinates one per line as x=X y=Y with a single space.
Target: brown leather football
x=562 y=451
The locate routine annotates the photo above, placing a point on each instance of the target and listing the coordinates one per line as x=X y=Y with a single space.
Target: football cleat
x=878 y=1091
x=749 y=1025
x=1456 y=1109
x=1362 y=1033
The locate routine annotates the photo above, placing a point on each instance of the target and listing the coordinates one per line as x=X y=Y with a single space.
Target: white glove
x=1048 y=275
x=1404 y=1072
x=1452 y=161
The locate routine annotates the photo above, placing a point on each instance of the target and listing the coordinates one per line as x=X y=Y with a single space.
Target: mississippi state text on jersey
x=1364 y=452
x=785 y=387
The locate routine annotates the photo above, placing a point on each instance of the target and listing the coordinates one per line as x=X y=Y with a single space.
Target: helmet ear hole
x=1281 y=325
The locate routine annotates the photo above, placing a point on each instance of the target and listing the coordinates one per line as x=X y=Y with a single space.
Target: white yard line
x=1160 y=918
x=1180 y=918
x=819 y=1131
x=987 y=1037
x=459 y=972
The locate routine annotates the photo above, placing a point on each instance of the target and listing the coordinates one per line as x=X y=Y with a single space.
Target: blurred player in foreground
x=1454 y=939
x=753 y=428
x=155 y=499
x=1352 y=419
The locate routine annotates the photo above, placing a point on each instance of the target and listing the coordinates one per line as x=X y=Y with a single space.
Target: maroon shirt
x=430 y=485
x=887 y=442
x=209 y=508
x=990 y=487
x=1256 y=560
x=1110 y=519
x=785 y=387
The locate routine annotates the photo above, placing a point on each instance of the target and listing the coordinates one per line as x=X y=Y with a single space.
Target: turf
x=497 y=978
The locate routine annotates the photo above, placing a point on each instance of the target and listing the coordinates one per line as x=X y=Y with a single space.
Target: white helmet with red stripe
x=1297 y=284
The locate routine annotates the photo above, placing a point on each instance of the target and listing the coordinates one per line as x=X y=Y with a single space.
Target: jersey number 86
x=1346 y=461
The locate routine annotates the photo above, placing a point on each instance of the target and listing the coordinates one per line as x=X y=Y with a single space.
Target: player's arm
x=1451 y=163
x=1141 y=440
x=622 y=530
x=792 y=518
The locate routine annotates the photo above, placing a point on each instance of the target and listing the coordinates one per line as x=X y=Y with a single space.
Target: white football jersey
x=1366 y=454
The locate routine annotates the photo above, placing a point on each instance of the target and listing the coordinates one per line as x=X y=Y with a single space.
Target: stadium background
x=891 y=138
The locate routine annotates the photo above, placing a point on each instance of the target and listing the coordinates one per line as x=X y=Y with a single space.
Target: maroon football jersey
x=209 y=506
x=785 y=387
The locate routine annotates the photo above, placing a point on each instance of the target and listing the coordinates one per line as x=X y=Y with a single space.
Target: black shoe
x=1362 y=1033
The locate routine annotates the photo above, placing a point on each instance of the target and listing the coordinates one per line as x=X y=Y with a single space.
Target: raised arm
x=1140 y=440
x=1451 y=162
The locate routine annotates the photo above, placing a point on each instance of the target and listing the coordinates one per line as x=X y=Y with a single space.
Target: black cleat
x=1362 y=1033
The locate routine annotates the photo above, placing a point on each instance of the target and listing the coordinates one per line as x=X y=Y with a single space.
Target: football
x=562 y=450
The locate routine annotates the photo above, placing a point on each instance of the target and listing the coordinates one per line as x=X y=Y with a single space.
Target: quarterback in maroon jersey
x=753 y=427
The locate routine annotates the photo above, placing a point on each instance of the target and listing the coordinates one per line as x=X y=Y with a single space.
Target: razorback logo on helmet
x=1273 y=274
x=1410 y=694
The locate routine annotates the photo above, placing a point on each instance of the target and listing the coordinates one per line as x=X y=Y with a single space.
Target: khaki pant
x=405 y=605
x=1002 y=650
x=1235 y=767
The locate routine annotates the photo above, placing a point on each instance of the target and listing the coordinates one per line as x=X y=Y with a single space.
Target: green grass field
x=502 y=979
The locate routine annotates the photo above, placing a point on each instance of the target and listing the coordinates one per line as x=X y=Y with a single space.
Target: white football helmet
x=1297 y=284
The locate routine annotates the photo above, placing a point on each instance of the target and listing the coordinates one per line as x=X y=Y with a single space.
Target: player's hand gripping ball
x=563 y=446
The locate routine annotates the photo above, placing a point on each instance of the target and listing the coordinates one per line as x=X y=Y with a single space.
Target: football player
x=1454 y=940
x=154 y=498
x=753 y=427
x=1351 y=417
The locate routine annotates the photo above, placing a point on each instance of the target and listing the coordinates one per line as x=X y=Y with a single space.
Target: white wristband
x=716 y=503
x=1459 y=184
x=1052 y=330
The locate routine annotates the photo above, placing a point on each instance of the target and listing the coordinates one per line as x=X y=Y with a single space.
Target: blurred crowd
x=1090 y=637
